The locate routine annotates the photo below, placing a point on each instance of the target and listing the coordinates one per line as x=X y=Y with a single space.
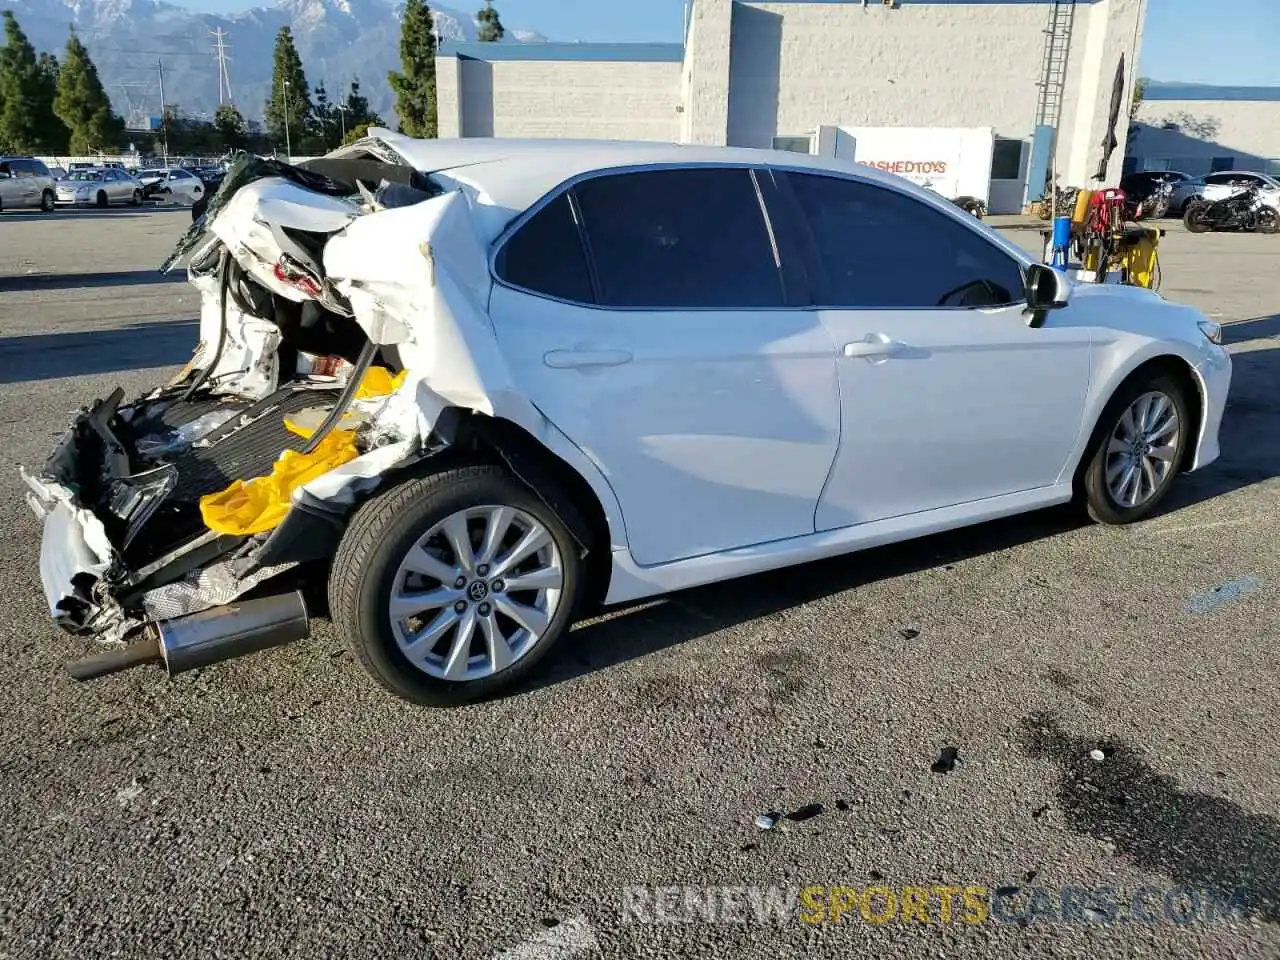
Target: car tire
x=47 y=201
x=402 y=527
x=136 y=201
x=102 y=199
x=1156 y=451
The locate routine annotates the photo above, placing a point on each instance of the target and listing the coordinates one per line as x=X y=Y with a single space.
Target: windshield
x=150 y=173
x=84 y=175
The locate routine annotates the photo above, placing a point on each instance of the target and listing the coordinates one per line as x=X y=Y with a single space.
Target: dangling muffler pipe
x=224 y=633
x=211 y=636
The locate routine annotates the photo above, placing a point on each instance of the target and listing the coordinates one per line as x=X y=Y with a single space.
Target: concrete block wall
x=796 y=65
x=1248 y=131
x=559 y=98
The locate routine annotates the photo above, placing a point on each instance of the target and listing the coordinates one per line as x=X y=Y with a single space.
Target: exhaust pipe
x=208 y=637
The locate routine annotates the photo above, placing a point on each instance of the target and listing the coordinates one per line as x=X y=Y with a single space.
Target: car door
x=10 y=188
x=947 y=395
x=645 y=313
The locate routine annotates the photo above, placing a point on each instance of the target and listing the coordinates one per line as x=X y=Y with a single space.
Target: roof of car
x=510 y=176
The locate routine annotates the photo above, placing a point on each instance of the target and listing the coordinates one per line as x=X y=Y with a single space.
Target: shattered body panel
x=286 y=264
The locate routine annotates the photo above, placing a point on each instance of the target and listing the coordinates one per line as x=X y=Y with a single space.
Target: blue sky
x=1224 y=41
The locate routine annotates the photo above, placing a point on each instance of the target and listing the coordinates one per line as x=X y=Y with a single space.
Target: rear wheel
x=1139 y=447
x=1194 y=218
x=46 y=201
x=452 y=587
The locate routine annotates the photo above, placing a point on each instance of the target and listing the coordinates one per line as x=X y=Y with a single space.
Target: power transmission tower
x=222 y=50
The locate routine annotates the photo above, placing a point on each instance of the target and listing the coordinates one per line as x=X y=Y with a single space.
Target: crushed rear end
x=342 y=312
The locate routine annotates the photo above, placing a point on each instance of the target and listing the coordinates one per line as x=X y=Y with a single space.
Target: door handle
x=876 y=347
x=577 y=359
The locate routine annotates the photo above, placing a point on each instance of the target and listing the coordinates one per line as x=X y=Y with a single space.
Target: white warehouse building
x=980 y=97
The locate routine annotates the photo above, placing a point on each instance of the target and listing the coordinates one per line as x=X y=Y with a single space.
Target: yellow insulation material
x=260 y=504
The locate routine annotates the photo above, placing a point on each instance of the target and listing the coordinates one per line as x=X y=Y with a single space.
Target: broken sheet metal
x=418 y=277
x=74 y=554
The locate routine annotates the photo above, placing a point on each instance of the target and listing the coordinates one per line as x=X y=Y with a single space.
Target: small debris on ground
x=126 y=795
x=1008 y=891
x=1097 y=916
x=875 y=876
x=842 y=804
x=1040 y=811
x=1029 y=876
x=1097 y=755
x=909 y=633
x=767 y=821
x=946 y=761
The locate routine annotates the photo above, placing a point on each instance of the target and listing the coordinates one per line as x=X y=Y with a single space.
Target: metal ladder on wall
x=1053 y=68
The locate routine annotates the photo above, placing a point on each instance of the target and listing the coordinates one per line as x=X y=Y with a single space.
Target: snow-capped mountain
x=337 y=39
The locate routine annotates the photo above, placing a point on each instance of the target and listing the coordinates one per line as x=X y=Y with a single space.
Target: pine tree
x=415 y=85
x=82 y=104
x=54 y=135
x=290 y=104
x=357 y=109
x=231 y=126
x=325 y=122
x=21 y=89
x=489 y=25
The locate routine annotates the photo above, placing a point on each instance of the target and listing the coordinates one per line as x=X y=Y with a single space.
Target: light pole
x=288 y=145
x=342 y=112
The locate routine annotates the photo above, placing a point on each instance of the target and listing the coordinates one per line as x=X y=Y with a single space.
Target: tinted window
x=881 y=248
x=179 y=175
x=680 y=239
x=545 y=255
x=23 y=168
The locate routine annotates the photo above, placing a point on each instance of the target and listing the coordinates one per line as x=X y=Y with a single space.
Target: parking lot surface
x=283 y=806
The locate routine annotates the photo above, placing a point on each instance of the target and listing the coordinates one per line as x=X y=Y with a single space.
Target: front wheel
x=452 y=587
x=136 y=201
x=46 y=201
x=1139 y=447
x=1195 y=218
x=1268 y=220
x=102 y=199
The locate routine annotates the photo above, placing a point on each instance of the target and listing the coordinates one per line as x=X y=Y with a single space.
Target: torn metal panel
x=74 y=553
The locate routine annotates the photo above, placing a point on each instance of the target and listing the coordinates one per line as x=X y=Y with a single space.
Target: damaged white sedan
x=488 y=384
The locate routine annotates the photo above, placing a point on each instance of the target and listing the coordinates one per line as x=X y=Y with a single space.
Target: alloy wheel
x=476 y=593
x=1143 y=449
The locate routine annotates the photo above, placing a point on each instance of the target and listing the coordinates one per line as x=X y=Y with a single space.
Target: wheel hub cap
x=476 y=593
x=1143 y=449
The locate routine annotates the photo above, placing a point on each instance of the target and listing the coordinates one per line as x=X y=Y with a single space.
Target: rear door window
x=680 y=239
x=546 y=255
x=878 y=248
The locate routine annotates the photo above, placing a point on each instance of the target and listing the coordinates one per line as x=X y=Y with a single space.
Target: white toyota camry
x=487 y=384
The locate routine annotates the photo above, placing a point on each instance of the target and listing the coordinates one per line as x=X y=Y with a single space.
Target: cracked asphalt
x=282 y=806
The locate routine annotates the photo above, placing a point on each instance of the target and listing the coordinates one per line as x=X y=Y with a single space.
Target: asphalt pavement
x=283 y=806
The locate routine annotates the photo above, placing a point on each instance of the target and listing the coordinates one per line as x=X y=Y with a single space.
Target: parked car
x=101 y=187
x=1219 y=186
x=172 y=183
x=520 y=378
x=1143 y=190
x=25 y=182
x=57 y=172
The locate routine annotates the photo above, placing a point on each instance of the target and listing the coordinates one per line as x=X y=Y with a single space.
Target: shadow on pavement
x=89 y=213
x=649 y=626
x=48 y=356
x=1196 y=839
x=71 y=281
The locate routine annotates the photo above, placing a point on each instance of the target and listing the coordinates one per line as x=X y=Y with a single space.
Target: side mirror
x=1047 y=289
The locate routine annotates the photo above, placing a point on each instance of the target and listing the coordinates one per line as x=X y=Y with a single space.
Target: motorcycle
x=1241 y=211
x=1155 y=206
x=973 y=206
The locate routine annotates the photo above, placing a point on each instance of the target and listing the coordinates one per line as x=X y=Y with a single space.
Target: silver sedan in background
x=101 y=187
